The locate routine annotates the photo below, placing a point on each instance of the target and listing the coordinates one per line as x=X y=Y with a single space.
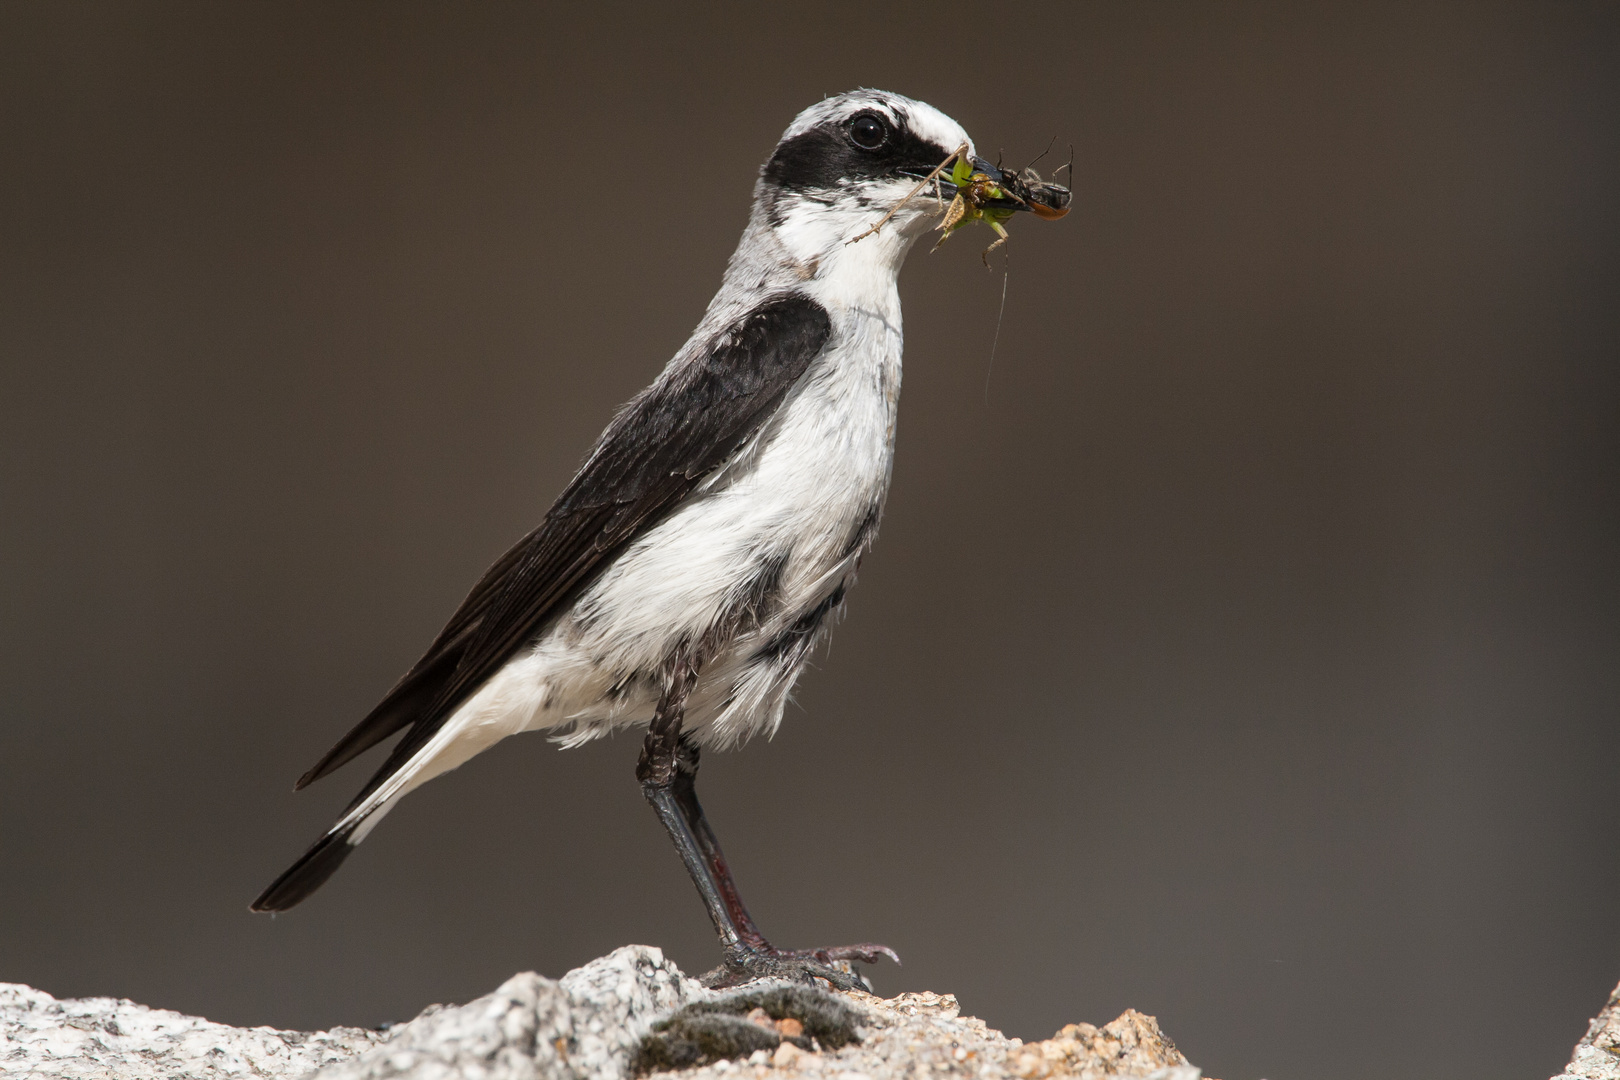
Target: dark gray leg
x=668 y=774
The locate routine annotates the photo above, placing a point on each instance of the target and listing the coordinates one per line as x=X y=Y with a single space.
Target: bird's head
x=850 y=161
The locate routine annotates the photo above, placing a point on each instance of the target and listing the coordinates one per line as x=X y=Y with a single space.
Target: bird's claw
x=866 y=953
x=748 y=963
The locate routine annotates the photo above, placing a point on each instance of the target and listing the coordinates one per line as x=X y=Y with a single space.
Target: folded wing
x=660 y=447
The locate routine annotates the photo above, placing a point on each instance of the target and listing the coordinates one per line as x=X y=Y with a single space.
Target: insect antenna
x=1067 y=165
x=1038 y=157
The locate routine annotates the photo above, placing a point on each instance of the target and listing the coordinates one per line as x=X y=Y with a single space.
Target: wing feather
x=661 y=446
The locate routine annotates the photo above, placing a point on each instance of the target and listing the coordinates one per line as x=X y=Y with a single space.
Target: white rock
x=1597 y=1056
x=584 y=1026
x=97 y=1038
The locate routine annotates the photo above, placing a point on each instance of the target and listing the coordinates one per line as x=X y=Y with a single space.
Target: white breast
x=794 y=500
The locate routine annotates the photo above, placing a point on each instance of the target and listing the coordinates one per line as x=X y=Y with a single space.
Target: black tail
x=308 y=873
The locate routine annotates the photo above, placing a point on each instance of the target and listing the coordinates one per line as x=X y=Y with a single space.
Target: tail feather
x=410 y=765
x=387 y=787
x=309 y=872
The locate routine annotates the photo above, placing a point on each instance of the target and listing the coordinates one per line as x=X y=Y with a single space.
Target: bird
x=689 y=569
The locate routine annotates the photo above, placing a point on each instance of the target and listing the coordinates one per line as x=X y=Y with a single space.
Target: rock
x=1132 y=1045
x=919 y=1033
x=586 y=1025
x=630 y=1013
x=1597 y=1056
x=106 y=1037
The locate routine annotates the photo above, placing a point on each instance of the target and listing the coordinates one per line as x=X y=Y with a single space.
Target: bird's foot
x=746 y=963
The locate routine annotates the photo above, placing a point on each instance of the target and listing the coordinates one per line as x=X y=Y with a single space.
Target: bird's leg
x=753 y=957
x=684 y=791
x=657 y=769
x=668 y=773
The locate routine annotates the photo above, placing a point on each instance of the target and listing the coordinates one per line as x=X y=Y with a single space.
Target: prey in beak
x=980 y=191
x=984 y=193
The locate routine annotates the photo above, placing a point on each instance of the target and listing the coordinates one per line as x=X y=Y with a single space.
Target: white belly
x=795 y=512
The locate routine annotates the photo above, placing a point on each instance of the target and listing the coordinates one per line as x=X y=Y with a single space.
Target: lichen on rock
x=736 y=1025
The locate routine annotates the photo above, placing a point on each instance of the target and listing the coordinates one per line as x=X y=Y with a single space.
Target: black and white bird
x=688 y=570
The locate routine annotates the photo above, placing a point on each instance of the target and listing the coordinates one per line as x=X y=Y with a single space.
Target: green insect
x=979 y=197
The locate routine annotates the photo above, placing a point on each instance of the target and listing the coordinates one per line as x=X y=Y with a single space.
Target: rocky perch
x=627 y=1015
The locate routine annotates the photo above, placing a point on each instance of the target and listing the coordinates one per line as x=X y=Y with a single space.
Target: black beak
x=939 y=183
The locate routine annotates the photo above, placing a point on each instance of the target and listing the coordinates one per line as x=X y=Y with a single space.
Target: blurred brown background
x=1242 y=647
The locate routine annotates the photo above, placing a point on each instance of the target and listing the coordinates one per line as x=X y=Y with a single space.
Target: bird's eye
x=868 y=131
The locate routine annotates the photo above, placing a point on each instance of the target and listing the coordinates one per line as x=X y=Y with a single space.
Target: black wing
x=654 y=452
